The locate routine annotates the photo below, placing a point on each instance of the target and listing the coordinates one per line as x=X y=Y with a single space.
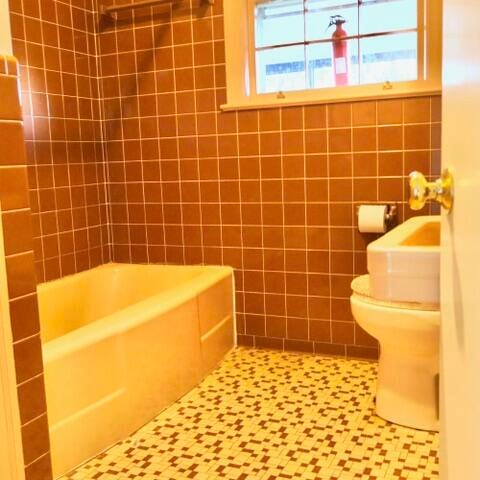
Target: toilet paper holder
x=390 y=215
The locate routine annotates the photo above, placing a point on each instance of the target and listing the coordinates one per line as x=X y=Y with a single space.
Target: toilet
x=408 y=371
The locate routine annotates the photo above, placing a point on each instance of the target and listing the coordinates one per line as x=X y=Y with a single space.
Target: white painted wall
x=5 y=37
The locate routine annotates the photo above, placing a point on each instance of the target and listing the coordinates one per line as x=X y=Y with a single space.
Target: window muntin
x=293 y=47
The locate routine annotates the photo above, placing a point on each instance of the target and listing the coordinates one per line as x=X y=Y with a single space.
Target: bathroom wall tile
x=269 y=120
x=12 y=145
x=276 y=325
x=299 y=346
x=364 y=113
x=268 y=342
x=416 y=110
x=14 y=193
x=436 y=109
x=60 y=89
x=320 y=331
x=10 y=104
x=17 y=231
x=390 y=112
x=365 y=165
x=245 y=340
x=365 y=190
x=21 y=275
x=361 y=352
x=391 y=163
x=31 y=399
x=339 y=115
x=24 y=317
x=35 y=439
x=330 y=349
x=297 y=328
x=315 y=116
x=340 y=140
x=254 y=324
x=364 y=139
x=390 y=138
x=28 y=358
x=390 y=189
x=417 y=137
x=343 y=332
x=40 y=469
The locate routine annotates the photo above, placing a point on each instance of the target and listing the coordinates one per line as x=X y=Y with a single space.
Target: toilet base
x=407 y=390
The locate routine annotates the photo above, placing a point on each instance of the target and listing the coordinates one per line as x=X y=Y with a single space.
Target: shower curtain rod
x=111 y=11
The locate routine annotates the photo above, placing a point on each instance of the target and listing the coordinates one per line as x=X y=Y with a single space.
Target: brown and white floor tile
x=272 y=415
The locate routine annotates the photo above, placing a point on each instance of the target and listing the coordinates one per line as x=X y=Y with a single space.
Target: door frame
x=11 y=458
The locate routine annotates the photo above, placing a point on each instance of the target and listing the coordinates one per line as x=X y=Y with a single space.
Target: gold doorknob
x=440 y=191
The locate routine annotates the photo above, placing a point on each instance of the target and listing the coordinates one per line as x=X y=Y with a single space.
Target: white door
x=460 y=338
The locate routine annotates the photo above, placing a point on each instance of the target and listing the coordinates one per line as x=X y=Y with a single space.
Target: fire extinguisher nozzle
x=336 y=20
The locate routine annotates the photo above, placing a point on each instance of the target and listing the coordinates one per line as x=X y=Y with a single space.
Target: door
x=460 y=285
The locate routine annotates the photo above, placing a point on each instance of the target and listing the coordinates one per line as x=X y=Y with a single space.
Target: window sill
x=331 y=95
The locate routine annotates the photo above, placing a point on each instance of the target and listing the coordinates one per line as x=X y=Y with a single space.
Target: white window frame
x=239 y=19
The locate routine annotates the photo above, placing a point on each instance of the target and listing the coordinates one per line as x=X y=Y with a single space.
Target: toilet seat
x=361 y=289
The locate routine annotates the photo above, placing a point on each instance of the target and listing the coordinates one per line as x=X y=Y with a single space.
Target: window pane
x=281 y=69
x=390 y=58
x=376 y=59
x=279 y=22
x=321 y=72
x=387 y=15
x=319 y=13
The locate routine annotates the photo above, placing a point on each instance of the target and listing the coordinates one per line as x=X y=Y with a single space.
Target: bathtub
x=121 y=343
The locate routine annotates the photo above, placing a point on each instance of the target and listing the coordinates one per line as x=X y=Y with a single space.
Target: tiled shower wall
x=270 y=192
x=55 y=43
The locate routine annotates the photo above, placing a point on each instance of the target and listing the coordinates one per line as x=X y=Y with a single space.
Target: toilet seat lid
x=361 y=288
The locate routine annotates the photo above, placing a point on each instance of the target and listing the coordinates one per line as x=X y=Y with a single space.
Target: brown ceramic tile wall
x=271 y=192
x=55 y=42
x=18 y=244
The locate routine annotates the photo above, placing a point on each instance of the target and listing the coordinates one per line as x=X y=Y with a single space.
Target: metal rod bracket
x=113 y=10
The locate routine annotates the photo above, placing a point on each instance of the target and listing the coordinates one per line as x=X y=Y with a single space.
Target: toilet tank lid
x=361 y=288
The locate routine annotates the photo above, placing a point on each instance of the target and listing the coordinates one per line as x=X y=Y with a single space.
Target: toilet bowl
x=407 y=385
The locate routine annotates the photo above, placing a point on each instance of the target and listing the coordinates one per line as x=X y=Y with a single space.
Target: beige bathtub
x=122 y=342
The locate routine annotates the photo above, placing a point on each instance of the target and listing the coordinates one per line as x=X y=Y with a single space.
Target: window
x=300 y=51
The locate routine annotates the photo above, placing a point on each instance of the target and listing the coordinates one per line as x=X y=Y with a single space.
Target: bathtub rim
x=135 y=314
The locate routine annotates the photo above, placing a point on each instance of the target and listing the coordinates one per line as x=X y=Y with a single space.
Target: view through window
x=310 y=44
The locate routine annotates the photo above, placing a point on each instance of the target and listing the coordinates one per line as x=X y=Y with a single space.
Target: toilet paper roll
x=372 y=218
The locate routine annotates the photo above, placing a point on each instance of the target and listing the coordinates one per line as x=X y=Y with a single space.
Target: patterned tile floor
x=272 y=415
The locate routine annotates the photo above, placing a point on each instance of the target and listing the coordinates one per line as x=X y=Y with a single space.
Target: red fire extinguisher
x=340 y=51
